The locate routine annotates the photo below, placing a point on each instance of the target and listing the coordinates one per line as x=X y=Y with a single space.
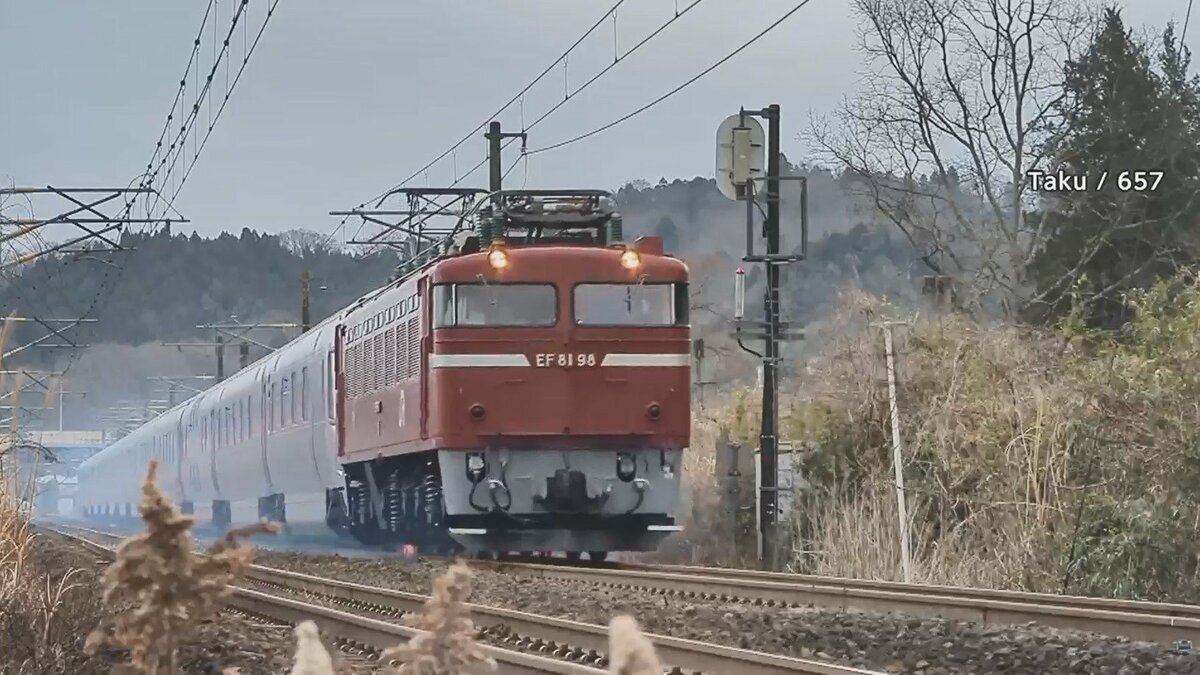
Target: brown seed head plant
x=447 y=646
x=630 y=652
x=311 y=656
x=169 y=587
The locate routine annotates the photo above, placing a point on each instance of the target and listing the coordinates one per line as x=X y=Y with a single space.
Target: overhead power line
x=568 y=95
x=187 y=115
x=1186 y=18
x=188 y=126
x=516 y=97
x=676 y=90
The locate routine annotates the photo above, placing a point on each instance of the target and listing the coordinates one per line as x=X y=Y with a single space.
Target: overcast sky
x=344 y=99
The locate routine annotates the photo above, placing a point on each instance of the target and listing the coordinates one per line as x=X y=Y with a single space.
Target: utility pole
x=175 y=385
x=495 y=166
x=62 y=403
x=28 y=382
x=220 y=358
x=495 y=170
x=305 y=319
x=740 y=162
x=769 y=437
x=228 y=334
x=897 y=448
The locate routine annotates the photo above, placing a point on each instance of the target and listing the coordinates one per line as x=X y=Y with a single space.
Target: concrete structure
x=50 y=460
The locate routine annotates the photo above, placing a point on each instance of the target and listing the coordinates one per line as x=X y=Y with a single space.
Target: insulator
x=615 y=233
x=485 y=227
x=498 y=227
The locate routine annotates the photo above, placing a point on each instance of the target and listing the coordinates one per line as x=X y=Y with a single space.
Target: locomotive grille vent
x=384 y=359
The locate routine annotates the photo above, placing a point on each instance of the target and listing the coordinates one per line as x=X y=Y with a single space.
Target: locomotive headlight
x=630 y=259
x=497 y=258
x=626 y=466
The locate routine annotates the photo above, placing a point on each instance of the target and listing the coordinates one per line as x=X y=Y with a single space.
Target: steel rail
x=1110 y=604
x=1163 y=623
x=353 y=632
x=371 y=636
x=563 y=638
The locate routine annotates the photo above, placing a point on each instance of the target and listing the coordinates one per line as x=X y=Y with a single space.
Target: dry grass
x=170 y=588
x=1042 y=460
x=629 y=652
x=447 y=646
x=44 y=607
x=44 y=604
x=311 y=655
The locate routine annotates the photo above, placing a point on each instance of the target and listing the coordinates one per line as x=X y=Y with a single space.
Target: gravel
x=226 y=641
x=889 y=642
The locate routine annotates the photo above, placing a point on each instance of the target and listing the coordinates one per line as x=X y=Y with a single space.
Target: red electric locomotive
x=523 y=388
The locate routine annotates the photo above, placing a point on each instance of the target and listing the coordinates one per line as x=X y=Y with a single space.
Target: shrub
x=45 y=608
x=1064 y=460
x=172 y=589
x=447 y=647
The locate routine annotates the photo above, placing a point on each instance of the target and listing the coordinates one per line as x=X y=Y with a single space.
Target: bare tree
x=300 y=240
x=957 y=100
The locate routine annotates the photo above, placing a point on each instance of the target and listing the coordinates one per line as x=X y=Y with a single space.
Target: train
x=522 y=385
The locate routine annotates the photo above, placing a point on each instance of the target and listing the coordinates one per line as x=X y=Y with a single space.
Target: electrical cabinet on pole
x=741 y=161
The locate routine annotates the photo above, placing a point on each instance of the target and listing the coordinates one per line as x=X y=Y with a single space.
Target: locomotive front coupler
x=566 y=491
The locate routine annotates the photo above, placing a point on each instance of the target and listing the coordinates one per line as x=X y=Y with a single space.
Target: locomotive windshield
x=631 y=305
x=495 y=304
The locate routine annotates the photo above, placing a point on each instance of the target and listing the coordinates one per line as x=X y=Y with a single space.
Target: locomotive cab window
x=495 y=304
x=631 y=304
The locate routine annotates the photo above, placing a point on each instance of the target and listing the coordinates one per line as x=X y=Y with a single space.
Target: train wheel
x=573 y=555
x=597 y=556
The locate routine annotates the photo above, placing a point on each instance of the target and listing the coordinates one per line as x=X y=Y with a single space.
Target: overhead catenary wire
x=518 y=98
x=148 y=178
x=678 y=14
x=460 y=179
x=1186 y=18
x=228 y=93
x=677 y=89
x=515 y=98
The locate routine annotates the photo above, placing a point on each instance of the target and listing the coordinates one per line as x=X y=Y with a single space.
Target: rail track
x=1164 y=623
x=362 y=621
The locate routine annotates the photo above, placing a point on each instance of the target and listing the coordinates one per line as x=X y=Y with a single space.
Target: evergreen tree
x=1120 y=116
x=669 y=233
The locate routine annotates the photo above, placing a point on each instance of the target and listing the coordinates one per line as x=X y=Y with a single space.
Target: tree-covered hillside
x=172 y=282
